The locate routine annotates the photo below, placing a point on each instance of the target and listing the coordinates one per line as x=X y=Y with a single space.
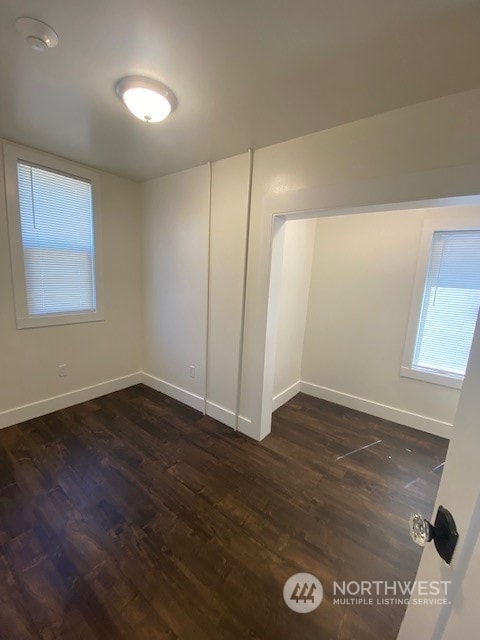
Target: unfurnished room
x=239 y=293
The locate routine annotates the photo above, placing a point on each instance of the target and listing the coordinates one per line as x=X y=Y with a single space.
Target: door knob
x=443 y=532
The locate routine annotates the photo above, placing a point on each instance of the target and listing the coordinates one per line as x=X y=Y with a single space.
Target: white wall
x=29 y=357
x=227 y=264
x=182 y=267
x=175 y=246
x=429 y=150
x=361 y=289
x=299 y=237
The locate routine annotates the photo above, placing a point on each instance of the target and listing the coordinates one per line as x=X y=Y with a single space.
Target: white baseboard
x=285 y=395
x=55 y=403
x=182 y=395
x=422 y=423
x=225 y=416
x=228 y=417
x=215 y=411
x=246 y=427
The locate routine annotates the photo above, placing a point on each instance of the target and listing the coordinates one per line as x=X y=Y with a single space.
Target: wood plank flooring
x=134 y=517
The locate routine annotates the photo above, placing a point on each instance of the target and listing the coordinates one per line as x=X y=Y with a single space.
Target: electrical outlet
x=62 y=370
x=192 y=371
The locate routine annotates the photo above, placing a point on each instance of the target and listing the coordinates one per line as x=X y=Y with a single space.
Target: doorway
x=402 y=401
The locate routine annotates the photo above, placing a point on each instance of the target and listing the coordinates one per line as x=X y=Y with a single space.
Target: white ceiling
x=246 y=72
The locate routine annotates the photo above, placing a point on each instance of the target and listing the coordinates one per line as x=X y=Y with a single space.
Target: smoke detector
x=39 y=35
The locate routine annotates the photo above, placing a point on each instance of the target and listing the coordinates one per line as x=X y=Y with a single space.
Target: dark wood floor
x=133 y=517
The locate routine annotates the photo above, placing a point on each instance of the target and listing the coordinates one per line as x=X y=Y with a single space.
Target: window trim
x=461 y=221
x=12 y=155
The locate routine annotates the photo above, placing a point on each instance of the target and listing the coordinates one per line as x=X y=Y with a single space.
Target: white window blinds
x=451 y=301
x=58 y=241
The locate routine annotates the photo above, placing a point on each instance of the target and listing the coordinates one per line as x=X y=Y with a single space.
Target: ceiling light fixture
x=39 y=35
x=148 y=100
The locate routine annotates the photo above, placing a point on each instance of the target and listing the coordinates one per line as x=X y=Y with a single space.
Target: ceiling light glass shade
x=147 y=99
x=146 y=104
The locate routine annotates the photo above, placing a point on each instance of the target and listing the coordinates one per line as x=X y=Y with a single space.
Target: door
x=459 y=492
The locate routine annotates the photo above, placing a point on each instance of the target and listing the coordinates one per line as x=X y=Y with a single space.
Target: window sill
x=432 y=377
x=32 y=322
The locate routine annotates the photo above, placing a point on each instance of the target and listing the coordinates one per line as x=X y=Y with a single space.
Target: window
x=444 y=317
x=54 y=229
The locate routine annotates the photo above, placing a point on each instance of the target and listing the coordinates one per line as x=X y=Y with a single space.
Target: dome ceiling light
x=148 y=100
x=39 y=35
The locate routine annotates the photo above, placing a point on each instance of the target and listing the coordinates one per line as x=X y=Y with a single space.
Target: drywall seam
x=209 y=253
x=244 y=291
